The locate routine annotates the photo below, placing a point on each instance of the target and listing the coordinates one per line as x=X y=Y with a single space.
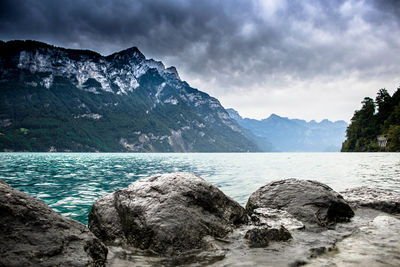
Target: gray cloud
x=302 y=51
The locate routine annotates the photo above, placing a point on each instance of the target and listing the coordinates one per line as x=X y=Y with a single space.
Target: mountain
x=57 y=99
x=293 y=135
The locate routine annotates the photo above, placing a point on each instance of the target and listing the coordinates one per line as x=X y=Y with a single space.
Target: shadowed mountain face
x=77 y=100
x=292 y=135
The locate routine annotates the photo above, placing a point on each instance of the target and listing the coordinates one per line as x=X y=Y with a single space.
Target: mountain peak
x=133 y=52
x=274 y=117
x=234 y=114
x=173 y=70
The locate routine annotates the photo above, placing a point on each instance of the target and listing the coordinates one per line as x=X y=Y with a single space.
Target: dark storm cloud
x=164 y=25
x=225 y=46
x=218 y=36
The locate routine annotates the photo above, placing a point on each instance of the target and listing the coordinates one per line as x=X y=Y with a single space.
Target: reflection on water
x=71 y=182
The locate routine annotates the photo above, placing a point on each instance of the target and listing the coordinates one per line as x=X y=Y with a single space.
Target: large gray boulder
x=308 y=201
x=32 y=234
x=169 y=214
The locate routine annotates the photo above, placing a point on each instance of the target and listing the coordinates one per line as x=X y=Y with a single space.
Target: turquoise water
x=71 y=182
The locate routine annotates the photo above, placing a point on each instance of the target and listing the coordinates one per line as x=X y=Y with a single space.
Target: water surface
x=71 y=182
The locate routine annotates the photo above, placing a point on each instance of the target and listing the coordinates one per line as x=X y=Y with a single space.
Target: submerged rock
x=308 y=201
x=168 y=214
x=32 y=234
x=261 y=236
x=373 y=198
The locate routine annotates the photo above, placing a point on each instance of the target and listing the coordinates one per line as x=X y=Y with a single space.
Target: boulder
x=261 y=236
x=32 y=234
x=373 y=198
x=168 y=214
x=308 y=201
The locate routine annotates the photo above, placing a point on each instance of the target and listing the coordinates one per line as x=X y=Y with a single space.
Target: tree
x=393 y=136
x=362 y=128
x=394 y=115
x=383 y=102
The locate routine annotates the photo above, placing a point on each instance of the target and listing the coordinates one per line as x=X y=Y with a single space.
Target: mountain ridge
x=62 y=99
x=294 y=135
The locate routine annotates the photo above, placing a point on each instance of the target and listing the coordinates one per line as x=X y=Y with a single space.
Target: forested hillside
x=376 y=119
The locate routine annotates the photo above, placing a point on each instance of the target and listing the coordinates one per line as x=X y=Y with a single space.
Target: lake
x=71 y=182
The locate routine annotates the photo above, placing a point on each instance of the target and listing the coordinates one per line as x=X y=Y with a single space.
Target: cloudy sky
x=296 y=58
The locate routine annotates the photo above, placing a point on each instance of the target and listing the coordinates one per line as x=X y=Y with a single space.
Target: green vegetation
x=379 y=118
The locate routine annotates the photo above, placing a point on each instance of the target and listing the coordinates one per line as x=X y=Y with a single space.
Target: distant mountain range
x=56 y=99
x=292 y=135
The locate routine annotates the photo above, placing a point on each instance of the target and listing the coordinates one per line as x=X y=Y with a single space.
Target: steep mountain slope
x=293 y=135
x=77 y=100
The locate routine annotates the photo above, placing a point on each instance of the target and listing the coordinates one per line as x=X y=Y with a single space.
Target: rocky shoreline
x=181 y=219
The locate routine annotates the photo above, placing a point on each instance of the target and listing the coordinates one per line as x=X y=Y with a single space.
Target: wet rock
x=32 y=234
x=315 y=252
x=168 y=214
x=275 y=218
x=298 y=263
x=308 y=201
x=373 y=198
x=261 y=236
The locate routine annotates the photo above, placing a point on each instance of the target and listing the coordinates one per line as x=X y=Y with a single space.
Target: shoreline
x=332 y=245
